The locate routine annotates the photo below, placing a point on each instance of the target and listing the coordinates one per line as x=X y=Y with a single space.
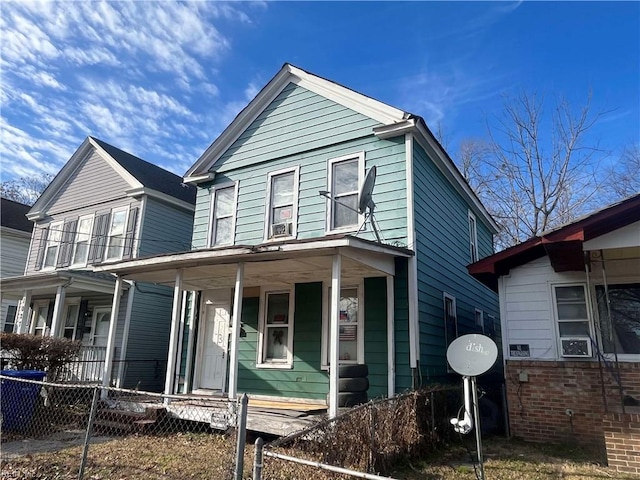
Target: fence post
x=87 y=438
x=257 y=460
x=372 y=438
x=242 y=436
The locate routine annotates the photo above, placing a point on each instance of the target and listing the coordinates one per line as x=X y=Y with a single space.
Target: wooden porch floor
x=270 y=416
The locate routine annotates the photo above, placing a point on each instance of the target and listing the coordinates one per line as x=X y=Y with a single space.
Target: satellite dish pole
x=470 y=356
x=366 y=204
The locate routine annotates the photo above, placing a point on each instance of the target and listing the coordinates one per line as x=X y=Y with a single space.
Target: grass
x=210 y=456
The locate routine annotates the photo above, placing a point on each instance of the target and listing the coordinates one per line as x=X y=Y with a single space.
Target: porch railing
x=87 y=367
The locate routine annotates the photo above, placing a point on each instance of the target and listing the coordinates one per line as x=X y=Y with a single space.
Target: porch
x=270 y=319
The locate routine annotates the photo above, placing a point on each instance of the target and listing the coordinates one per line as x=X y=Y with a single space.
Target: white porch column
x=58 y=306
x=333 y=335
x=391 y=352
x=173 y=337
x=190 y=342
x=111 y=340
x=23 y=316
x=235 y=332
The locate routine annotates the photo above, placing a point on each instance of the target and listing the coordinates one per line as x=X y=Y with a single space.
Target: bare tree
x=25 y=189
x=624 y=175
x=535 y=171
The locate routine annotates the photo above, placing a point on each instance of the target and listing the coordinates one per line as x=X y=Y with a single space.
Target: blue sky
x=162 y=79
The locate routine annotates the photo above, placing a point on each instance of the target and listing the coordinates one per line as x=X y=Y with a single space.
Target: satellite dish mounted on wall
x=366 y=205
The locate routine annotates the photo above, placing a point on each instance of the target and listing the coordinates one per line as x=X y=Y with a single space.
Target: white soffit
x=628 y=236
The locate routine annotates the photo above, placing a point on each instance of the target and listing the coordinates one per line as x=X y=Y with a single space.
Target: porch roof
x=47 y=282
x=271 y=263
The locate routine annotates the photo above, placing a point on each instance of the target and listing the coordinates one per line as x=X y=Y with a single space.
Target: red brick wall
x=538 y=407
x=622 y=438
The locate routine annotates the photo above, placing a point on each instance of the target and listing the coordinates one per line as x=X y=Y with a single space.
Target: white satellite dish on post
x=470 y=356
x=366 y=205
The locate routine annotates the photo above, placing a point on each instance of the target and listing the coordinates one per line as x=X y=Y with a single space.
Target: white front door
x=211 y=360
x=100 y=326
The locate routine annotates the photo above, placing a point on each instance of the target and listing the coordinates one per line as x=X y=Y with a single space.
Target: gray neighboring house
x=104 y=204
x=15 y=236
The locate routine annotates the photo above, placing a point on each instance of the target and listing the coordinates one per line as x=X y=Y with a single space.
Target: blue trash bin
x=18 y=399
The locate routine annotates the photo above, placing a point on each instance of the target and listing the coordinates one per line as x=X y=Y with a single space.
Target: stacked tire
x=353 y=384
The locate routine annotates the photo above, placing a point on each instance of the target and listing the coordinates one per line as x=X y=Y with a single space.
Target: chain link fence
x=101 y=432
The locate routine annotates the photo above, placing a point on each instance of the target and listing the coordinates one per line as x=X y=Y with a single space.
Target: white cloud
x=136 y=74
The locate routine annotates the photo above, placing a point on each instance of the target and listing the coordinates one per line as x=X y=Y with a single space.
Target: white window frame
x=63 y=327
x=14 y=306
x=53 y=227
x=261 y=362
x=212 y=214
x=479 y=319
x=269 y=200
x=557 y=321
x=326 y=309
x=110 y=236
x=83 y=263
x=330 y=204
x=447 y=296
x=473 y=237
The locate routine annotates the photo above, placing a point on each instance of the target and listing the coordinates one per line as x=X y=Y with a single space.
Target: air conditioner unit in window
x=576 y=346
x=281 y=229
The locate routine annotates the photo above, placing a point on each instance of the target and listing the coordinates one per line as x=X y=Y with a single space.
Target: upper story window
x=450 y=318
x=115 y=237
x=223 y=215
x=350 y=326
x=52 y=246
x=473 y=238
x=282 y=207
x=479 y=317
x=346 y=174
x=276 y=330
x=572 y=315
x=82 y=240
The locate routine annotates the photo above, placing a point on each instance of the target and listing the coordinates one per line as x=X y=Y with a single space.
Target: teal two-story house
x=287 y=276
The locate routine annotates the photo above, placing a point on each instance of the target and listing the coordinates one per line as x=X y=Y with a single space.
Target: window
x=223 y=207
x=71 y=321
x=350 y=327
x=573 y=320
x=10 y=319
x=276 y=336
x=115 y=240
x=473 y=238
x=346 y=174
x=623 y=330
x=479 y=320
x=450 y=318
x=40 y=312
x=282 y=207
x=53 y=245
x=82 y=239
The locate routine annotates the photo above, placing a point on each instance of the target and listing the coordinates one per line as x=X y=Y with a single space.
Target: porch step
x=116 y=421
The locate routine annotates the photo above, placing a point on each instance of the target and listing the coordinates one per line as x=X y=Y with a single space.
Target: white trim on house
x=479 y=317
x=360 y=324
x=58 y=229
x=447 y=296
x=268 y=202
x=367 y=106
x=329 y=229
x=110 y=235
x=163 y=197
x=212 y=220
x=263 y=328
x=557 y=321
x=414 y=324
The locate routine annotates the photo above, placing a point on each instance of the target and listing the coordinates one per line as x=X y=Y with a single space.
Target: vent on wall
x=281 y=230
x=576 y=347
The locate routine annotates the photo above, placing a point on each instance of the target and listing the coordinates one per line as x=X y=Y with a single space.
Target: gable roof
x=142 y=176
x=14 y=215
x=393 y=122
x=563 y=245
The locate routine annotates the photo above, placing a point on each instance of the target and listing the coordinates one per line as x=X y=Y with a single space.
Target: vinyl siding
x=375 y=335
x=80 y=188
x=401 y=325
x=442 y=241
x=148 y=336
x=301 y=128
x=79 y=211
x=14 y=248
x=164 y=229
